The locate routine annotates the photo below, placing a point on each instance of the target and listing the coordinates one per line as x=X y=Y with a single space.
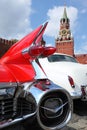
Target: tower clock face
x=64 y=32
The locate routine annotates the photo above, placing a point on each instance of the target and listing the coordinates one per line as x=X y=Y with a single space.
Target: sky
x=20 y=17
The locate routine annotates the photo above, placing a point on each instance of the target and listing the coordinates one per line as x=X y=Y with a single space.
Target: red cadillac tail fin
x=23 y=43
x=40 y=34
x=21 y=48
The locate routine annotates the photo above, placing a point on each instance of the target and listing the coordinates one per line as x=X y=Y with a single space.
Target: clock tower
x=64 y=42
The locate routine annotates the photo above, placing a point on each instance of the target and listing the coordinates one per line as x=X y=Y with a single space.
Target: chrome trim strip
x=7 y=84
x=75 y=95
x=12 y=122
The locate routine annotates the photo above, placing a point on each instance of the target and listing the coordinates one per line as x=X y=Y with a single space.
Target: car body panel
x=5 y=75
x=59 y=71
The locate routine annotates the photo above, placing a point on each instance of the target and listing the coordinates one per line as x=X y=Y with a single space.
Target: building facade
x=65 y=42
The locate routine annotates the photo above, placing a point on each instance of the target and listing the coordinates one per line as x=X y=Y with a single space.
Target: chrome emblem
x=56 y=109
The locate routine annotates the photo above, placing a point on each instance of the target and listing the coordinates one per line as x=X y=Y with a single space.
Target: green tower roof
x=64 y=17
x=65 y=14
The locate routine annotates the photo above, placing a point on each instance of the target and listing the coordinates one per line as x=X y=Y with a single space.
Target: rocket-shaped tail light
x=48 y=51
x=38 y=50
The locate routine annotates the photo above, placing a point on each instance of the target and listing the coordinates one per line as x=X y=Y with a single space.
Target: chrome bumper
x=12 y=122
x=80 y=94
x=76 y=95
x=84 y=93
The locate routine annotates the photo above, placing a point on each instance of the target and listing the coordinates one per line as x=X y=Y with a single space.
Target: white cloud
x=54 y=16
x=15 y=18
x=84 y=37
x=83 y=11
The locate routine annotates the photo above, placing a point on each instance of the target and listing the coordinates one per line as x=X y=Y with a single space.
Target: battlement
x=5 y=45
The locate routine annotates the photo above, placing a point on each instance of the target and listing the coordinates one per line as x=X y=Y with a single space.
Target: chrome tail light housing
x=54 y=106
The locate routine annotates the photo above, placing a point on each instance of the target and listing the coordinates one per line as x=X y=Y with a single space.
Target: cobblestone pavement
x=79 y=117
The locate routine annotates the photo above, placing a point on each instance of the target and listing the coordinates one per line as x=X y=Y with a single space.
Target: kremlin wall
x=64 y=43
x=5 y=45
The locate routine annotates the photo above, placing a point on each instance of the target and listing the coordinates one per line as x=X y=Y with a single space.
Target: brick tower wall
x=81 y=58
x=66 y=47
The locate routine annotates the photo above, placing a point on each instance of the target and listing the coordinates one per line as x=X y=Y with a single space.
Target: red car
x=26 y=94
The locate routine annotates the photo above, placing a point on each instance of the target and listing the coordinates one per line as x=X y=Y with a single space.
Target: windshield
x=56 y=58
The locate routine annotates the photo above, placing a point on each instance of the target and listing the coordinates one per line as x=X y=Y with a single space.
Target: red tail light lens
x=71 y=81
x=35 y=51
x=38 y=50
x=43 y=84
x=48 y=51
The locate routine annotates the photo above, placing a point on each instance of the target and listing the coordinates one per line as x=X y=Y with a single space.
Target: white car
x=65 y=71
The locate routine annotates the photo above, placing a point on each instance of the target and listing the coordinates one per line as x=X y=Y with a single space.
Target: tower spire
x=65 y=13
